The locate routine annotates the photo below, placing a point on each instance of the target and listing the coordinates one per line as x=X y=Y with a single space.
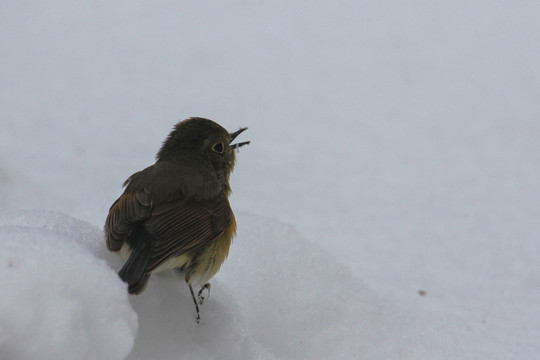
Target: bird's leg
x=200 y=294
x=198 y=317
x=199 y=299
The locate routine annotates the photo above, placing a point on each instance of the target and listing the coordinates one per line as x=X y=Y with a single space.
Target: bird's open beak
x=234 y=135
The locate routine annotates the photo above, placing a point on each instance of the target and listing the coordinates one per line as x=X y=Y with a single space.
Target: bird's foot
x=199 y=299
x=201 y=294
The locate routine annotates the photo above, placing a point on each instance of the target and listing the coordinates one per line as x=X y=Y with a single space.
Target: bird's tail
x=134 y=270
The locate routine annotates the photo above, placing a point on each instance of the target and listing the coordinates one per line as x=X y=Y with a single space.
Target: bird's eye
x=218 y=147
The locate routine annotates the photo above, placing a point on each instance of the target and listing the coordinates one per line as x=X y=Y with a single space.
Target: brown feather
x=179 y=227
x=175 y=228
x=175 y=213
x=130 y=209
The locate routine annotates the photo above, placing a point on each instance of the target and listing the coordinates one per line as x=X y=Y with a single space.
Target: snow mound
x=300 y=301
x=278 y=296
x=59 y=301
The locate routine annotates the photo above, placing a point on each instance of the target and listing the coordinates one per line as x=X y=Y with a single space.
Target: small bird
x=175 y=214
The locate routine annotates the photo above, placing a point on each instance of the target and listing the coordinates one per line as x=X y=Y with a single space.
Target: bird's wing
x=125 y=214
x=181 y=226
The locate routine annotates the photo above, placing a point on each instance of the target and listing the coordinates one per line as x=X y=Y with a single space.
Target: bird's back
x=159 y=230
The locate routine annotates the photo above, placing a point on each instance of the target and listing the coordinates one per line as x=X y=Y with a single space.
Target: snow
x=394 y=150
x=60 y=298
x=65 y=301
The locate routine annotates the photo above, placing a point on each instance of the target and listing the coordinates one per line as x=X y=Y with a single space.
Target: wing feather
x=126 y=212
x=175 y=227
x=179 y=227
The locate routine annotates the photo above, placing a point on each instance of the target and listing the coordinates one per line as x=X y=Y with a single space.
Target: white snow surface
x=60 y=299
x=64 y=301
x=387 y=207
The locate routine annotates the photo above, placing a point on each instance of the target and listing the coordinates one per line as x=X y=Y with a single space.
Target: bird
x=175 y=214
